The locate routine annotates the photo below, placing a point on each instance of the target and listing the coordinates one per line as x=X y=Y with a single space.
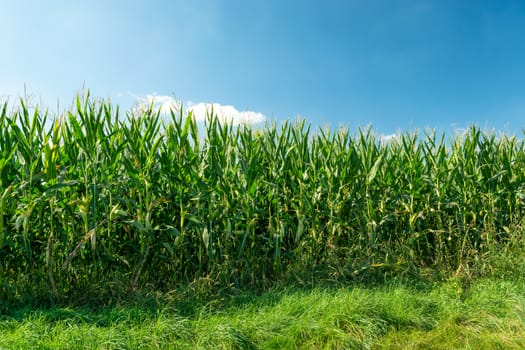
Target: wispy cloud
x=201 y=110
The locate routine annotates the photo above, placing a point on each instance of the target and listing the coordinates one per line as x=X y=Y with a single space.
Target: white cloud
x=226 y=114
x=166 y=104
x=201 y=110
x=388 y=138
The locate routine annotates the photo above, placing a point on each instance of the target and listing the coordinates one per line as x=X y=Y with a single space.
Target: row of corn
x=100 y=202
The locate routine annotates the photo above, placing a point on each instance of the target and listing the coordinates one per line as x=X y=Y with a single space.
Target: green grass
x=491 y=315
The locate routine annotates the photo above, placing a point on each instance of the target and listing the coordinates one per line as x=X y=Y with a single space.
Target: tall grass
x=100 y=203
x=392 y=316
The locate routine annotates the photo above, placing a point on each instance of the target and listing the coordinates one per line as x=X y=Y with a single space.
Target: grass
x=391 y=316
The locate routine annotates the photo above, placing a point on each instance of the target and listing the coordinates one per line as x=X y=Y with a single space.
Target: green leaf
x=373 y=172
x=61 y=185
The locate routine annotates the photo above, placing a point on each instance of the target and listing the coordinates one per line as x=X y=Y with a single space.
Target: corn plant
x=95 y=204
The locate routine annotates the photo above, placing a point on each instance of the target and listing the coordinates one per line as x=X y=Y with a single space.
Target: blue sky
x=394 y=64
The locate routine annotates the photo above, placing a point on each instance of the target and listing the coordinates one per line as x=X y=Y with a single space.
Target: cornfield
x=97 y=202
